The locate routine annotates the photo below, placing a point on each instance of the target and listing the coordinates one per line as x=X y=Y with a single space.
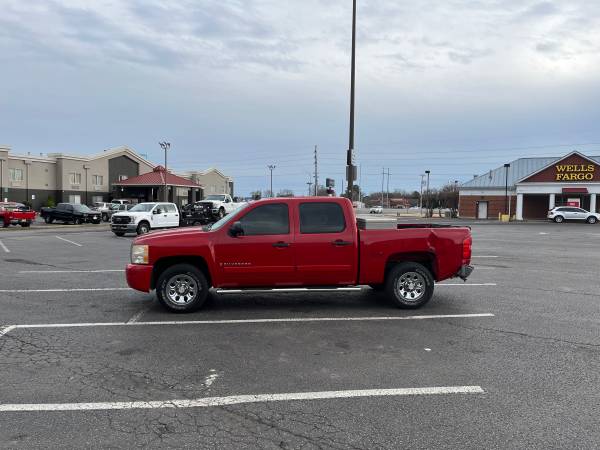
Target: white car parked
x=562 y=213
x=144 y=217
x=376 y=210
x=220 y=204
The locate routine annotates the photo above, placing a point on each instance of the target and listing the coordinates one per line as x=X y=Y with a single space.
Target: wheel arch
x=427 y=259
x=164 y=263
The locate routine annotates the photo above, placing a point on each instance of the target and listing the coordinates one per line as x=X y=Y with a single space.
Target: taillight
x=467 y=246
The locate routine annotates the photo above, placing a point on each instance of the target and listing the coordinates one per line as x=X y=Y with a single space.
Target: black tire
x=177 y=301
x=591 y=220
x=559 y=219
x=409 y=285
x=377 y=287
x=26 y=224
x=221 y=213
x=5 y=224
x=143 y=228
x=96 y=222
x=119 y=233
x=48 y=219
x=105 y=217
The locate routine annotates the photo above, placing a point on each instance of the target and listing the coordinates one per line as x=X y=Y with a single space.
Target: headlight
x=139 y=254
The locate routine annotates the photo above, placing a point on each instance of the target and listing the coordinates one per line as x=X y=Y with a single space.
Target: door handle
x=341 y=243
x=281 y=244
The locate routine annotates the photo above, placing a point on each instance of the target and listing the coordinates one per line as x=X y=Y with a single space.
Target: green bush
x=50 y=203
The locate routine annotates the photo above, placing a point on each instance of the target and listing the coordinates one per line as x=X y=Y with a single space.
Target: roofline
x=161 y=184
x=547 y=166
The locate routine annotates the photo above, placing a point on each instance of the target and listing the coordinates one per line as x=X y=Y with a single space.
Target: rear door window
x=325 y=217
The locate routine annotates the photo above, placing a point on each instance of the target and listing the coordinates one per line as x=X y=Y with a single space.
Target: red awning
x=575 y=190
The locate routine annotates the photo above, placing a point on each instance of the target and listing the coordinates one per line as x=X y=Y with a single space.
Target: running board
x=275 y=290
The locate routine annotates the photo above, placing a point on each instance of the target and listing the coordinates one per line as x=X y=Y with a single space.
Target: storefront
x=528 y=187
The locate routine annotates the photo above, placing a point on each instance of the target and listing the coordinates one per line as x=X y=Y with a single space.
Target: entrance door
x=482 y=210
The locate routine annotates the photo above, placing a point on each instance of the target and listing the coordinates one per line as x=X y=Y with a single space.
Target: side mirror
x=156 y=211
x=236 y=229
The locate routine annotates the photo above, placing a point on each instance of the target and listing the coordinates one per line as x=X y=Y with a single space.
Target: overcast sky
x=455 y=86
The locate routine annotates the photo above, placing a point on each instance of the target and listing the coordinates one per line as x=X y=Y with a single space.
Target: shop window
x=16 y=174
x=75 y=178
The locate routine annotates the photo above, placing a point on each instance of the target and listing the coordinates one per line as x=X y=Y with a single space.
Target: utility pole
x=506 y=166
x=360 y=183
x=271 y=168
x=316 y=174
x=350 y=168
x=421 y=195
x=165 y=146
x=427 y=172
x=382 y=180
x=388 y=188
x=309 y=183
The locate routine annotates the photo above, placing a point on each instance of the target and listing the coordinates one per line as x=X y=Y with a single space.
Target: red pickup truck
x=297 y=242
x=12 y=213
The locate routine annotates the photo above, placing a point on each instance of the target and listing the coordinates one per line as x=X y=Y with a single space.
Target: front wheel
x=559 y=219
x=143 y=228
x=119 y=233
x=48 y=219
x=409 y=285
x=592 y=220
x=182 y=288
x=221 y=213
x=105 y=217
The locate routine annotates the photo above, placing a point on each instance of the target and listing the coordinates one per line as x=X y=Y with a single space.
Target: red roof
x=157 y=178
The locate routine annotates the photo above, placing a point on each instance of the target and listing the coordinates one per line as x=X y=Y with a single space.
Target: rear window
x=321 y=218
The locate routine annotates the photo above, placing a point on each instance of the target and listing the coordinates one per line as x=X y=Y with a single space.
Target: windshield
x=81 y=208
x=220 y=198
x=227 y=218
x=143 y=207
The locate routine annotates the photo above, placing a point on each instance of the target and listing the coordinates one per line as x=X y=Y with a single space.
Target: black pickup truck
x=70 y=213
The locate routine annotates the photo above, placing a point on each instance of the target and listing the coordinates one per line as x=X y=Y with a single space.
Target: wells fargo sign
x=575 y=172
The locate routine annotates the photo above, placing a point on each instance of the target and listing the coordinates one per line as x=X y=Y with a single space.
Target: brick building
x=533 y=185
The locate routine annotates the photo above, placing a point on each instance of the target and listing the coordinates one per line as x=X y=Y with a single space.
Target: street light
x=506 y=166
x=427 y=172
x=350 y=167
x=165 y=146
x=271 y=168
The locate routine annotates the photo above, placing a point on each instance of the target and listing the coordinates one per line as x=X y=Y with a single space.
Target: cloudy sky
x=454 y=86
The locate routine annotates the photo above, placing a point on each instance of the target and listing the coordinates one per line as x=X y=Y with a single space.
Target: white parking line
x=466 y=284
x=240 y=399
x=6 y=330
x=3 y=247
x=70 y=242
x=244 y=321
x=72 y=271
x=64 y=290
x=137 y=316
x=484 y=256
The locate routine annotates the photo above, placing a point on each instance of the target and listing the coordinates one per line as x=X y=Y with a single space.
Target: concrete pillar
x=592 y=202
x=552 y=201
x=519 y=206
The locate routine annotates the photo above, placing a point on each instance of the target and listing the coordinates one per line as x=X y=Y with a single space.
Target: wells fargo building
x=535 y=185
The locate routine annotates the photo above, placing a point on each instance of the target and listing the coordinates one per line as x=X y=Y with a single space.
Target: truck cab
x=312 y=242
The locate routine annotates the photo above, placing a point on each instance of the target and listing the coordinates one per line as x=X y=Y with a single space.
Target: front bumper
x=139 y=276
x=123 y=227
x=464 y=272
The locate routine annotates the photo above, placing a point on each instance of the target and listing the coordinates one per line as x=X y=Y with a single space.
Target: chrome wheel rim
x=143 y=229
x=410 y=286
x=181 y=289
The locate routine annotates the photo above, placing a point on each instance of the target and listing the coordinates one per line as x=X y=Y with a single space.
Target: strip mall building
x=535 y=185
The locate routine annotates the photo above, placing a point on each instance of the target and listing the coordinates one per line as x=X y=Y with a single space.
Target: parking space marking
x=137 y=316
x=240 y=399
x=9 y=291
x=70 y=242
x=3 y=247
x=466 y=284
x=6 y=330
x=484 y=256
x=72 y=271
x=244 y=321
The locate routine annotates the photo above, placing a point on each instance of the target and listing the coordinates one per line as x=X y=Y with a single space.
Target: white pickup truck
x=144 y=217
x=220 y=204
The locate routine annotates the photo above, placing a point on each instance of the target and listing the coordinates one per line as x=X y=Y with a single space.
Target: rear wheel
x=143 y=228
x=26 y=224
x=591 y=219
x=409 y=285
x=5 y=224
x=182 y=288
x=559 y=219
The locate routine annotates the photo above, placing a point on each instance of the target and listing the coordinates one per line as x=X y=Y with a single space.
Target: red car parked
x=297 y=242
x=12 y=213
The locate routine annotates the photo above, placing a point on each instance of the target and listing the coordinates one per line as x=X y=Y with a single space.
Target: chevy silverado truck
x=311 y=242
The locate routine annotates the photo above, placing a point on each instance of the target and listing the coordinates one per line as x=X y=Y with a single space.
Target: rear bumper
x=139 y=276
x=464 y=271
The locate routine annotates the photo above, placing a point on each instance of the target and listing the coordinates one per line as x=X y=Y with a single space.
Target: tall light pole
x=271 y=168
x=350 y=168
x=165 y=146
x=427 y=172
x=506 y=166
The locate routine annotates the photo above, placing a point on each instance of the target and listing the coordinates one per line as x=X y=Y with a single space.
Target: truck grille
x=121 y=219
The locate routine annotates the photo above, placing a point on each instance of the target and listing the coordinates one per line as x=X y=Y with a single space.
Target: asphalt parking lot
x=509 y=359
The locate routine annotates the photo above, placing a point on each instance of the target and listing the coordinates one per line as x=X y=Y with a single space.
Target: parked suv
x=562 y=213
x=144 y=217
